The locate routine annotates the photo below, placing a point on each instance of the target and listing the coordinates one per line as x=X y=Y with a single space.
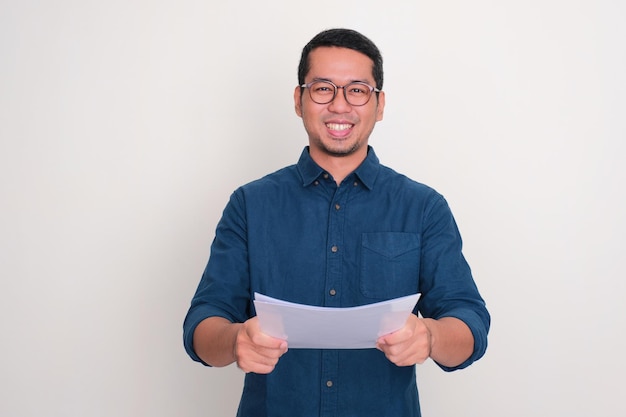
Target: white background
x=125 y=126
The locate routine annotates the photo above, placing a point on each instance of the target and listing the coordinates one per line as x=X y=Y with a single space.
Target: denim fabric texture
x=298 y=236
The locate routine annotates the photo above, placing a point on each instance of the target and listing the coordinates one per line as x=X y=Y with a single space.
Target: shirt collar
x=366 y=172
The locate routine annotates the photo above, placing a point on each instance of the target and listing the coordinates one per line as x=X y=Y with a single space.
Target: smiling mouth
x=339 y=126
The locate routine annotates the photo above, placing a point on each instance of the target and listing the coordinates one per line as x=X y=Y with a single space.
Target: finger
x=260 y=360
x=252 y=357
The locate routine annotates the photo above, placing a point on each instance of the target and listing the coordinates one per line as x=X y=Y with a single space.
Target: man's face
x=338 y=129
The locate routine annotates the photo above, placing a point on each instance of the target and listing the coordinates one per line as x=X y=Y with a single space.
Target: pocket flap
x=391 y=244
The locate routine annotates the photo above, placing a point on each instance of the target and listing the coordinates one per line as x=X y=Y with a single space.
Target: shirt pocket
x=390 y=264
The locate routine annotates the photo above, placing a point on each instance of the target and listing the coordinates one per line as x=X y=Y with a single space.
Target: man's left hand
x=408 y=346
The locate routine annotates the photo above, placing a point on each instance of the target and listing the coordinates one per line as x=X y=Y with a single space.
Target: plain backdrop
x=125 y=126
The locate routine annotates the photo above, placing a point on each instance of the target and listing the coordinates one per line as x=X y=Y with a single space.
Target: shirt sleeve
x=446 y=283
x=223 y=290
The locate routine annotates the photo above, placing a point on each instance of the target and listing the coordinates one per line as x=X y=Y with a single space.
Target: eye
x=322 y=88
x=358 y=90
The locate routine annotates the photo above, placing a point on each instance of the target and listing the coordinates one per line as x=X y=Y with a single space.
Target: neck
x=338 y=166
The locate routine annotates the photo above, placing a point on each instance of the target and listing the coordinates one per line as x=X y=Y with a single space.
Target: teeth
x=337 y=126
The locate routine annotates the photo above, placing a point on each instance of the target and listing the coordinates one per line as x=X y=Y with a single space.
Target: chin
x=339 y=146
x=341 y=151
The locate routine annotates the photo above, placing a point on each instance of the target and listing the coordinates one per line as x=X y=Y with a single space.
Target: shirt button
x=334 y=249
x=326 y=175
x=355 y=183
x=337 y=206
x=329 y=384
x=316 y=182
x=332 y=292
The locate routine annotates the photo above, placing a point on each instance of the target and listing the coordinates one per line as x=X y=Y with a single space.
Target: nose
x=339 y=103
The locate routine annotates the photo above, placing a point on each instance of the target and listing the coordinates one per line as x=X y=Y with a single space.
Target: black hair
x=343 y=38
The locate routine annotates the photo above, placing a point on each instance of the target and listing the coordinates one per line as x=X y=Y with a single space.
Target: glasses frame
x=343 y=87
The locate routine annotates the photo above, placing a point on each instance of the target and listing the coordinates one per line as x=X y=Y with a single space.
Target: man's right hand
x=255 y=351
x=219 y=343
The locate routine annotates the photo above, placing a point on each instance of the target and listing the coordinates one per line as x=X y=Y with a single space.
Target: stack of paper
x=312 y=327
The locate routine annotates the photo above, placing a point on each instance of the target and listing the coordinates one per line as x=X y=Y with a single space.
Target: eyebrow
x=331 y=81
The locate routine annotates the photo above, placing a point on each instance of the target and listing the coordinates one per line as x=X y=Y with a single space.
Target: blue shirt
x=297 y=236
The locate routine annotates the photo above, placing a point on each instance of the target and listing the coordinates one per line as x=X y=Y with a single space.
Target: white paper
x=312 y=327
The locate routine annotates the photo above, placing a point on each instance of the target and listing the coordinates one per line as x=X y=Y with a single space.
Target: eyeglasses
x=356 y=93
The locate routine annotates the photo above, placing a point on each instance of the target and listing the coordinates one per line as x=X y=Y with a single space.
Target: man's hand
x=218 y=342
x=447 y=340
x=409 y=345
x=255 y=351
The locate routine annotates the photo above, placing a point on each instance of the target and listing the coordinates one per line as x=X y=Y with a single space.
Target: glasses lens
x=322 y=92
x=357 y=94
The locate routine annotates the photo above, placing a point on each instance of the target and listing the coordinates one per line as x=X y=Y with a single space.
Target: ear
x=380 y=107
x=297 y=100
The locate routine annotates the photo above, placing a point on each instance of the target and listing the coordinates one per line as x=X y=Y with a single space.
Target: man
x=338 y=229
